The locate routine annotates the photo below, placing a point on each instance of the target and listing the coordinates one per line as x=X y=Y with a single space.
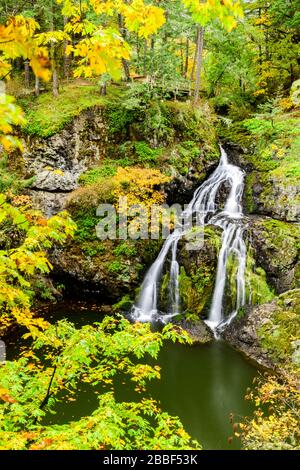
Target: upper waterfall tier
x=205 y=209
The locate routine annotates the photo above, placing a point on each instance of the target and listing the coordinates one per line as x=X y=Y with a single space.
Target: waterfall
x=205 y=210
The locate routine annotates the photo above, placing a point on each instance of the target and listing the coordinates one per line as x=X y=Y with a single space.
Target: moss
x=195 y=290
x=248 y=194
x=11 y=180
x=93 y=248
x=119 y=119
x=125 y=249
x=46 y=115
x=94 y=175
x=275 y=163
x=116 y=266
x=86 y=221
x=257 y=289
x=282 y=240
x=182 y=155
x=234 y=133
x=195 y=124
x=146 y=155
x=280 y=335
x=123 y=305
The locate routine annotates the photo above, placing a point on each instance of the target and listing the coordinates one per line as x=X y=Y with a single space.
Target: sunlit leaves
x=101 y=49
x=25 y=235
x=275 y=425
x=17 y=40
x=101 y=53
x=225 y=11
x=140 y=185
x=94 y=355
x=10 y=115
x=141 y=18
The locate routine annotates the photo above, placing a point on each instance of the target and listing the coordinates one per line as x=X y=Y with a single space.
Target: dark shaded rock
x=269 y=333
x=103 y=274
x=242 y=333
x=198 y=263
x=198 y=331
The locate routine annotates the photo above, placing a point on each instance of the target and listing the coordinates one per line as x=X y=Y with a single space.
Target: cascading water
x=203 y=207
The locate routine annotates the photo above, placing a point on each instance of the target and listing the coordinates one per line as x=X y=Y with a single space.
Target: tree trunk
x=200 y=38
x=27 y=73
x=66 y=59
x=53 y=57
x=152 y=46
x=195 y=58
x=182 y=61
x=187 y=51
x=124 y=34
x=126 y=70
x=55 y=82
x=37 y=86
x=145 y=58
x=103 y=89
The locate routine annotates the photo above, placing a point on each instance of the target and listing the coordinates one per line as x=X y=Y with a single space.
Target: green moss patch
x=47 y=115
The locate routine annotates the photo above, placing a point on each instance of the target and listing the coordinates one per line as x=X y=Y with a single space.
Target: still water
x=202 y=385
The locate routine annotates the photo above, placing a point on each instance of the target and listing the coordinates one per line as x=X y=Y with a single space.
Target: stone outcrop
x=276 y=250
x=57 y=162
x=243 y=333
x=261 y=332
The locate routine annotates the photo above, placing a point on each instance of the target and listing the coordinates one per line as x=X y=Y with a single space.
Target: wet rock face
x=269 y=333
x=243 y=333
x=58 y=161
x=197 y=271
x=268 y=193
x=198 y=331
x=275 y=245
x=50 y=202
x=88 y=271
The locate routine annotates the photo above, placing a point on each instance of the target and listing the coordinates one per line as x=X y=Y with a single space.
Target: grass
x=47 y=115
x=278 y=145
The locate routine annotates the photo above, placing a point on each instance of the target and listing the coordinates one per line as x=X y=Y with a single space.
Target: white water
x=230 y=219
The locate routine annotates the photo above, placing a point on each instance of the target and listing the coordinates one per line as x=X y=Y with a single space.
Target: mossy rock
x=276 y=249
x=197 y=273
x=197 y=330
x=269 y=333
x=110 y=268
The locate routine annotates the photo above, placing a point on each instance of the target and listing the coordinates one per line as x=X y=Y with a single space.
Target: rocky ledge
x=198 y=331
x=264 y=333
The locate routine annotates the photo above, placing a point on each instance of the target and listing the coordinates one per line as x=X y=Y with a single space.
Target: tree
x=93 y=355
x=275 y=423
x=204 y=12
x=101 y=48
x=17 y=40
x=25 y=235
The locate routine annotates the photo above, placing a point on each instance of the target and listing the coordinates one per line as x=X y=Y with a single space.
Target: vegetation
x=25 y=235
x=164 y=80
x=65 y=357
x=275 y=421
x=43 y=119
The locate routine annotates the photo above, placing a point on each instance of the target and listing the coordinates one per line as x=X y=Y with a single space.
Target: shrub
x=87 y=197
x=125 y=249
